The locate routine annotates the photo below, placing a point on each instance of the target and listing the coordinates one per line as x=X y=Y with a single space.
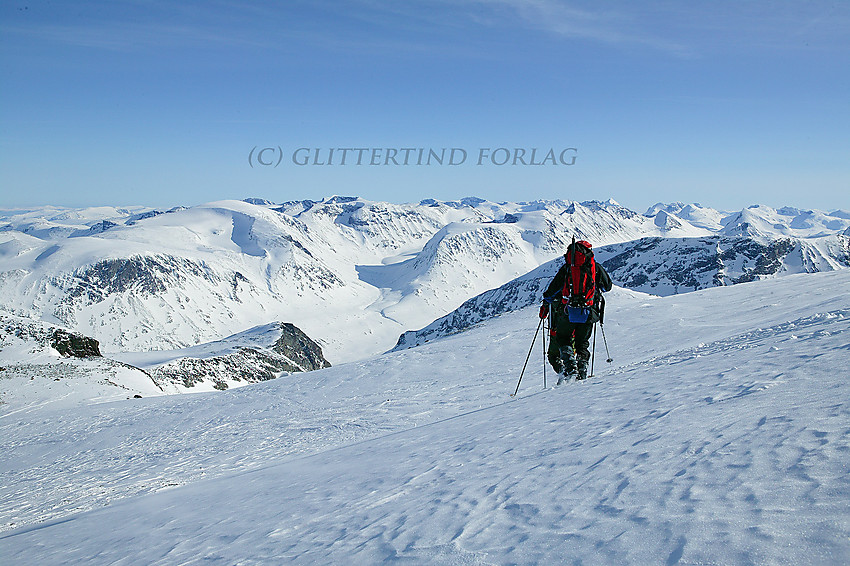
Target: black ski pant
x=560 y=344
x=554 y=352
x=581 y=335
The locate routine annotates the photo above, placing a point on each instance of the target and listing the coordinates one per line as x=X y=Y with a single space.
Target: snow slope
x=720 y=434
x=664 y=266
x=659 y=266
x=34 y=374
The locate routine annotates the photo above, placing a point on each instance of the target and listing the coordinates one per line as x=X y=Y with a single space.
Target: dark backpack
x=580 y=284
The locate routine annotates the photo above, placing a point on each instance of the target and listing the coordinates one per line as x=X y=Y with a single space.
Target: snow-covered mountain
x=768 y=223
x=265 y=352
x=718 y=435
x=659 y=266
x=514 y=295
x=695 y=214
x=354 y=274
x=677 y=265
x=351 y=273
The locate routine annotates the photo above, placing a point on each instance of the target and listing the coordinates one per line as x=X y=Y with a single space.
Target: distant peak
x=258 y=201
x=340 y=199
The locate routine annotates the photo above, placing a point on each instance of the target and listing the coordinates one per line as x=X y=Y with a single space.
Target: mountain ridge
x=352 y=273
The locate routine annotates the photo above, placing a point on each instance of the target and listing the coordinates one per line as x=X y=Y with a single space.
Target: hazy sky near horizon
x=724 y=103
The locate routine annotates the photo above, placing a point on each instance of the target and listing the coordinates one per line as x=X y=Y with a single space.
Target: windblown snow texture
x=722 y=439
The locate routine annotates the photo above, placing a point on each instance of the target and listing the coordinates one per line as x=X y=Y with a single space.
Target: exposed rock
x=73 y=345
x=247 y=365
x=145 y=274
x=293 y=351
x=258 y=201
x=299 y=348
x=68 y=344
x=664 y=266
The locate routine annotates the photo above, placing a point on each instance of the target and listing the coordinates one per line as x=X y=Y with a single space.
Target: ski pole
x=610 y=359
x=527 y=357
x=593 y=355
x=544 y=353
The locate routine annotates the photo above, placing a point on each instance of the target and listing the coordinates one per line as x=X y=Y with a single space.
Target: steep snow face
x=667 y=221
x=461 y=260
x=718 y=435
x=517 y=294
x=353 y=274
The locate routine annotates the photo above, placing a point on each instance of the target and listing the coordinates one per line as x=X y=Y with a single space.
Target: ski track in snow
x=735 y=450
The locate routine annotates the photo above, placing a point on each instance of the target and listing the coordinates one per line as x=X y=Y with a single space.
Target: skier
x=576 y=297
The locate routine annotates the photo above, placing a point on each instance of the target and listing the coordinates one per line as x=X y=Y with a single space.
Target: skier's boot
x=581 y=368
x=569 y=370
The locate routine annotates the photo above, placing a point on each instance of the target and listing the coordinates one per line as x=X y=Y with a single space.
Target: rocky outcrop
x=299 y=348
x=43 y=335
x=293 y=351
x=141 y=274
x=664 y=266
x=248 y=365
x=73 y=345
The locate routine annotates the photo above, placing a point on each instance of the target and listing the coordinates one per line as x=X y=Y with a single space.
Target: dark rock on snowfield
x=256 y=359
x=299 y=348
x=73 y=345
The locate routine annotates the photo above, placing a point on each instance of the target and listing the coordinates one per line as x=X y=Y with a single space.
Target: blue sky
x=159 y=103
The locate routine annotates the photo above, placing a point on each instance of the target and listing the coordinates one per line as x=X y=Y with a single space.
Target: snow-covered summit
x=767 y=223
